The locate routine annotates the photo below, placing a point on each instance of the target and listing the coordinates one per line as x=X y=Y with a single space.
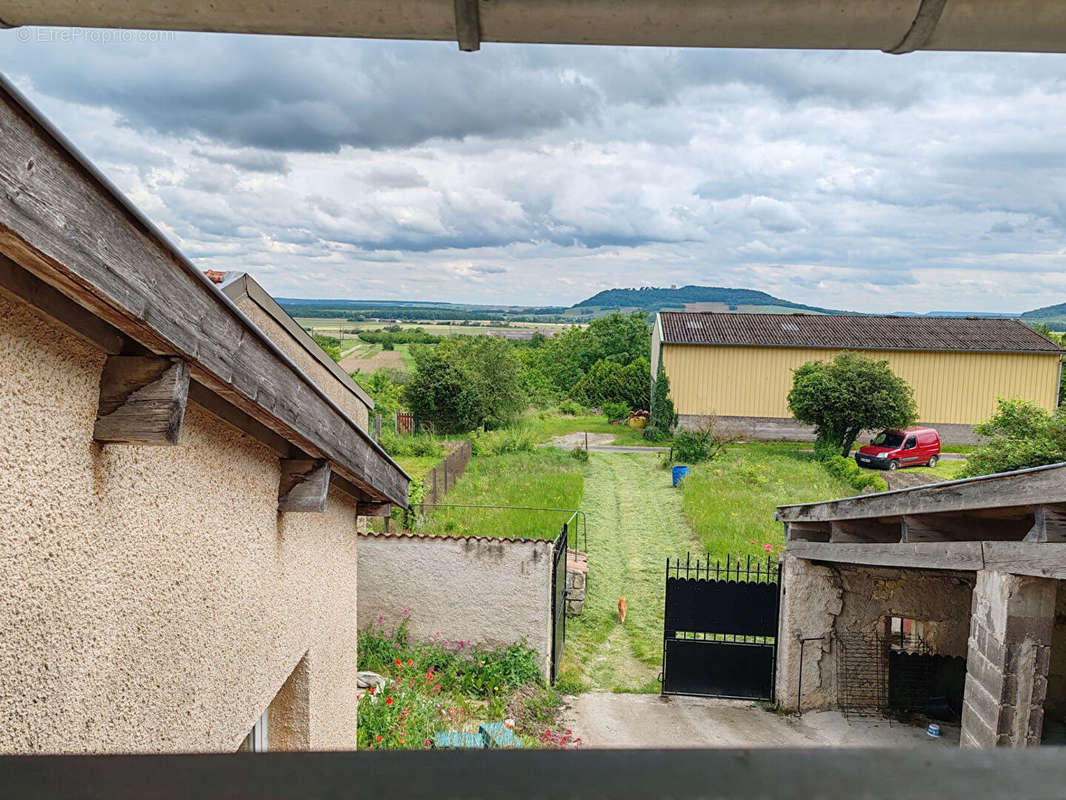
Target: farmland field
x=336 y=326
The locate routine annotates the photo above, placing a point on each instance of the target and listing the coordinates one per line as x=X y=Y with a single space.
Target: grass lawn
x=417 y=466
x=545 y=426
x=945 y=470
x=635 y=524
x=547 y=478
x=730 y=502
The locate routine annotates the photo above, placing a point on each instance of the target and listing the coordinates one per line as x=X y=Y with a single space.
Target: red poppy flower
x=388 y=701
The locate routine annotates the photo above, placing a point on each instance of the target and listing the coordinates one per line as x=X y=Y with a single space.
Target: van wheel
x=893 y=464
x=933 y=460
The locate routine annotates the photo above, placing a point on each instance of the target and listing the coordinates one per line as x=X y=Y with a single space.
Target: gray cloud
x=853 y=180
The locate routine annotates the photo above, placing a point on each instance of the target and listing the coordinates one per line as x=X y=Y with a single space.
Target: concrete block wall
x=1009 y=653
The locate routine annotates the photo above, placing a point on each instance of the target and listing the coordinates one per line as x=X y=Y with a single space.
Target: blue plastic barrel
x=679 y=473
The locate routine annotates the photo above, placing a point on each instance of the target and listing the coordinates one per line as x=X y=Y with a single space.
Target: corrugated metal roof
x=847 y=332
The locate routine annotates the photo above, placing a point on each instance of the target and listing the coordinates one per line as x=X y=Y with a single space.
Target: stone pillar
x=577 y=568
x=810 y=602
x=1008 y=653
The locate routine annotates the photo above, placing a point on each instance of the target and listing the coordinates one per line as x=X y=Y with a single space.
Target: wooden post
x=396 y=422
x=304 y=484
x=371 y=508
x=586 y=441
x=142 y=400
x=377 y=427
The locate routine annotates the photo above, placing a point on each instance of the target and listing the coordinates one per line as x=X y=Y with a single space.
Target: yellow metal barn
x=738 y=367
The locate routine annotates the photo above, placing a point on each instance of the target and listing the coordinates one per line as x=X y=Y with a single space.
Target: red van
x=910 y=447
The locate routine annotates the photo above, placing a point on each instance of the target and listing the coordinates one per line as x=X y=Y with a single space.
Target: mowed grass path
x=635 y=523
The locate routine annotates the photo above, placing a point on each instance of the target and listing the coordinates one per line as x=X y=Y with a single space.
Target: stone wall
x=832 y=605
x=481 y=590
x=1008 y=660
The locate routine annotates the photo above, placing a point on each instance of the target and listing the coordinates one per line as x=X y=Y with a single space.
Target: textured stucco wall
x=154 y=599
x=346 y=400
x=485 y=591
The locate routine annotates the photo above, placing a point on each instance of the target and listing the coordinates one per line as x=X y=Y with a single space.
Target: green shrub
x=692 y=447
x=331 y=344
x=507 y=440
x=847 y=470
x=616 y=412
x=1019 y=435
x=579 y=454
x=571 y=408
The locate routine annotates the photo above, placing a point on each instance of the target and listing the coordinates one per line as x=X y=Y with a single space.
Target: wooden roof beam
x=988 y=494
x=61 y=221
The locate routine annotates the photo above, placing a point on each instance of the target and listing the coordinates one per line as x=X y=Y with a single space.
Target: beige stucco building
x=181 y=478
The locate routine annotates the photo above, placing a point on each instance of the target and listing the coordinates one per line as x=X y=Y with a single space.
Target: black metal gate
x=720 y=628
x=558 y=602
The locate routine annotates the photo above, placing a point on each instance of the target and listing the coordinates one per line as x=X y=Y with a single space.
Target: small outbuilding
x=947 y=599
x=182 y=477
x=738 y=367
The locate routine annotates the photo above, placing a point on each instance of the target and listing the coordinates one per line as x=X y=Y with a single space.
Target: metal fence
x=441 y=479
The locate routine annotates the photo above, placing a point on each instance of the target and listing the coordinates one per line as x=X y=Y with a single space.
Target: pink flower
x=768 y=548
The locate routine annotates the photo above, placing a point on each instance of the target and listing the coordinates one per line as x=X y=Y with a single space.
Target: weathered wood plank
x=373 y=509
x=867 y=531
x=921 y=555
x=1041 y=485
x=142 y=400
x=964 y=527
x=61 y=222
x=1027 y=558
x=22 y=285
x=1049 y=524
x=807 y=531
x=304 y=484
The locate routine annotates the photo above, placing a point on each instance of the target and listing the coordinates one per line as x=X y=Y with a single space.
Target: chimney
x=214 y=275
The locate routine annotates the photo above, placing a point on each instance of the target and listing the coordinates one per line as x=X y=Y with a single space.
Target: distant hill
x=691 y=298
x=1052 y=316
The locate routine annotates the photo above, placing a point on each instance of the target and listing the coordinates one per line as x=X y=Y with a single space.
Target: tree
x=663 y=417
x=610 y=382
x=1019 y=435
x=617 y=338
x=465 y=382
x=850 y=394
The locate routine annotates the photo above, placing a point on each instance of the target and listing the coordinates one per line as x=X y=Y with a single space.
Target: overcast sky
x=541 y=175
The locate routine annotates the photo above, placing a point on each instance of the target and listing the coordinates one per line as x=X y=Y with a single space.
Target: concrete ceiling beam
x=898 y=27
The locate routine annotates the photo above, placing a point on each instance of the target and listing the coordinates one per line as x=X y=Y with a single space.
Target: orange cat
x=621 y=609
